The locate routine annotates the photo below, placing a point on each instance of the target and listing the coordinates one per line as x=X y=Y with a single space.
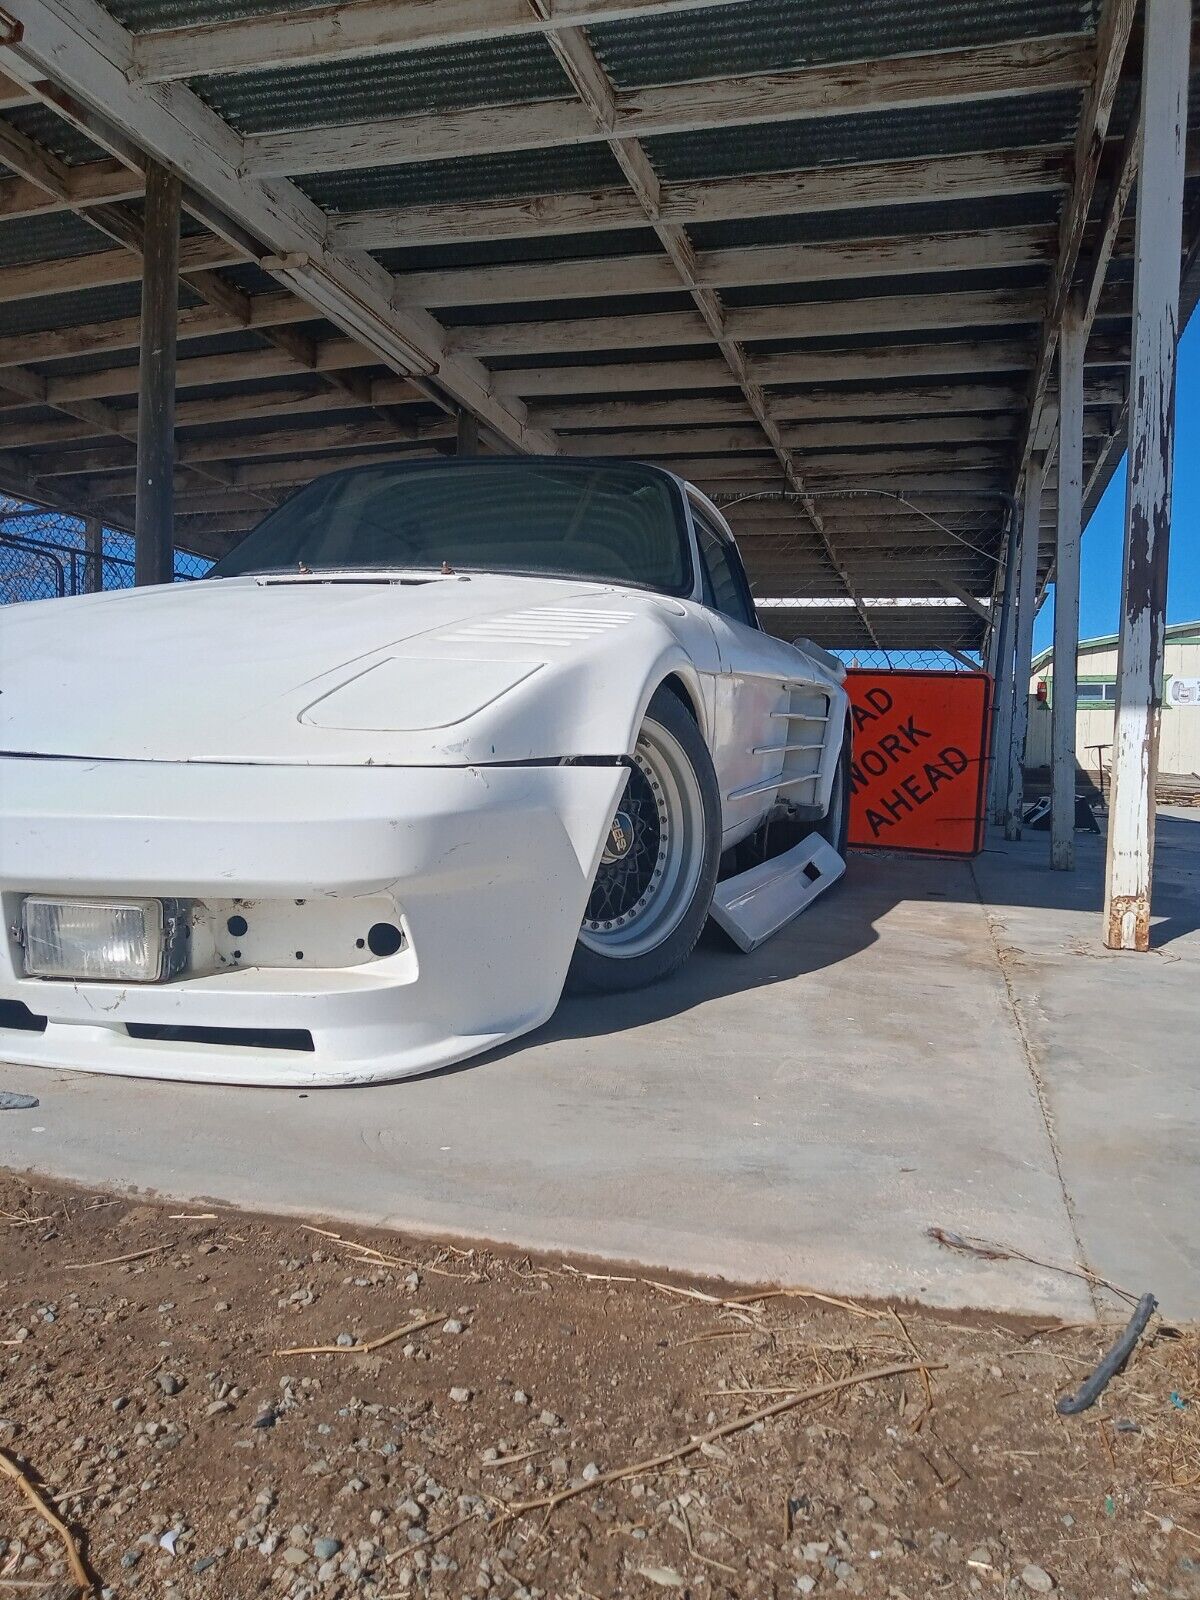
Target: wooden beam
x=106 y=267
x=966 y=598
x=1163 y=123
x=715 y=269
x=369 y=27
x=879 y=183
x=154 y=535
x=1112 y=37
x=89 y=183
x=976 y=73
x=806 y=320
x=75 y=56
x=105 y=338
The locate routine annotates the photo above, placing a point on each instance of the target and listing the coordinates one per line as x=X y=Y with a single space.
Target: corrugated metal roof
x=71 y=310
x=498 y=252
x=852 y=288
x=143 y=16
x=764 y=35
x=215 y=344
x=630 y=305
x=871 y=222
x=564 y=169
x=917 y=131
x=54 y=237
x=48 y=129
x=489 y=72
x=602 y=358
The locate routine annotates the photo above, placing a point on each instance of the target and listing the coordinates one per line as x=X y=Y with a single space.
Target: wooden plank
x=1130 y=859
x=13 y=94
x=92 y=183
x=105 y=338
x=370 y=27
x=976 y=73
x=715 y=269
x=806 y=320
x=154 y=542
x=939 y=404
x=74 y=54
x=106 y=267
x=1066 y=591
x=1112 y=37
x=879 y=183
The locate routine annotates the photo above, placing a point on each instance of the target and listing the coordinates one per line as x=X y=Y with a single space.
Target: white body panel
x=312 y=756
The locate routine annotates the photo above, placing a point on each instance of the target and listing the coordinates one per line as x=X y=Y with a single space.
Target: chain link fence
x=911 y=660
x=45 y=555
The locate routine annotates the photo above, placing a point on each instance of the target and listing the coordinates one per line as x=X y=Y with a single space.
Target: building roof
x=1174 y=633
x=809 y=256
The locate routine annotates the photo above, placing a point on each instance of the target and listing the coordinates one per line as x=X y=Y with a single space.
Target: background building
x=1179 y=739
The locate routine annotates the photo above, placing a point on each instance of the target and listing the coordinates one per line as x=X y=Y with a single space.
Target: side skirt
x=758 y=902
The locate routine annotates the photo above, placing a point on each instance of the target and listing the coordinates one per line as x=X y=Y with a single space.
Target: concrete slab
x=1114 y=1041
x=932 y=1043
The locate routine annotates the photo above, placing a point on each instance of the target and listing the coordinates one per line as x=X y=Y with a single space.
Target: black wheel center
x=627 y=867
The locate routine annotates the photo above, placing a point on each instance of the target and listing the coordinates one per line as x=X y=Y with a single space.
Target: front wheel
x=655 y=881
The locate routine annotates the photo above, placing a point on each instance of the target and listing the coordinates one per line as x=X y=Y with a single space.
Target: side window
x=724 y=580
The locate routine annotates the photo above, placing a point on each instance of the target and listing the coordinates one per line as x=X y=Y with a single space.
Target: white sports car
x=435 y=739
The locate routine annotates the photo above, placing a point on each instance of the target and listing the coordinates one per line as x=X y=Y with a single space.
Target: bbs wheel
x=655 y=881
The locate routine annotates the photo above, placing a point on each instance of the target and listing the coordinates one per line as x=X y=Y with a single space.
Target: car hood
x=323 y=669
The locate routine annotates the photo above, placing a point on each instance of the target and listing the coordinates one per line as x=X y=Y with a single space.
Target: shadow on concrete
x=844 y=922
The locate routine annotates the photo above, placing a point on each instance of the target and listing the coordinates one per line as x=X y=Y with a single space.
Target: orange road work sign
x=919 y=777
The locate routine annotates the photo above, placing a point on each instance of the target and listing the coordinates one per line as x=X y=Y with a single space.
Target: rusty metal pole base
x=1128 y=923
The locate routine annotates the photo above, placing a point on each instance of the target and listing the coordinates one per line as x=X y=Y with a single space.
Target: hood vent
x=544 y=626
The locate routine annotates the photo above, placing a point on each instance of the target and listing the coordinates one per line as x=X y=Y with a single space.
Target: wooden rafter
x=74 y=55
x=943 y=77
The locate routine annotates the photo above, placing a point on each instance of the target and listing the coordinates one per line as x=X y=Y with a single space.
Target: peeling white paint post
x=1002 y=633
x=1014 y=764
x=1157 y=250
x=1071 y=342
x=154 y=515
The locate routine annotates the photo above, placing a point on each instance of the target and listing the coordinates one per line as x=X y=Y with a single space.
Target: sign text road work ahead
x=918 y=778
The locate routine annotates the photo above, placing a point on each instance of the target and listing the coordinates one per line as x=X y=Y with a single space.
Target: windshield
x=611 y=522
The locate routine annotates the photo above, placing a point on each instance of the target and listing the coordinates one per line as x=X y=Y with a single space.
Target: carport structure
x=865 y=271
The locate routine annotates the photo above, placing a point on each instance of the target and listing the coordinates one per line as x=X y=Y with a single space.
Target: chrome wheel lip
x=666 y=899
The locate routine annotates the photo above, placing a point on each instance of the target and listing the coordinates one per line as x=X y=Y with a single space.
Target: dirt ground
x=152 y=1392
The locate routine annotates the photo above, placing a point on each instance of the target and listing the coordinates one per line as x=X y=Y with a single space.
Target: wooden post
x=467 y=436
x=1071 y=342
x=1157 y=247
x=1003 y=677
x=1014 y=763
x=154 y=536
x=93 y=543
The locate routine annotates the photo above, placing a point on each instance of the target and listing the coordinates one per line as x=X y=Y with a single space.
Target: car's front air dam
x=489 y=869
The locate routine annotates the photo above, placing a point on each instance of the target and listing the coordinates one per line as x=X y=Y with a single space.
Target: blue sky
x=1102 y=550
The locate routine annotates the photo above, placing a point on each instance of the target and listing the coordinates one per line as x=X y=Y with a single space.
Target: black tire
x=598 y=965
x=834 y=826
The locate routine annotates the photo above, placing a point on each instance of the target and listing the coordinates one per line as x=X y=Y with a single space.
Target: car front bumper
x=486 y=870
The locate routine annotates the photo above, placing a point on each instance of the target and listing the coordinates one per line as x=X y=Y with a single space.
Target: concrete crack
x=1039 y=1086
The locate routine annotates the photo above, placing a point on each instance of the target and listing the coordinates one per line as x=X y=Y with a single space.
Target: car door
x=745 y=731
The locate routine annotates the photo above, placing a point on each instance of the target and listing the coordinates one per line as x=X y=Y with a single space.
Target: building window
x=1096 y=696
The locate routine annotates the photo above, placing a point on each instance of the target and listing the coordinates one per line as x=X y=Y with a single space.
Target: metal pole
x=1157 y=248
x=1003 y=685
x=1071 y=343
x=93 y=540
x=1031 y=524
x=154 y=541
